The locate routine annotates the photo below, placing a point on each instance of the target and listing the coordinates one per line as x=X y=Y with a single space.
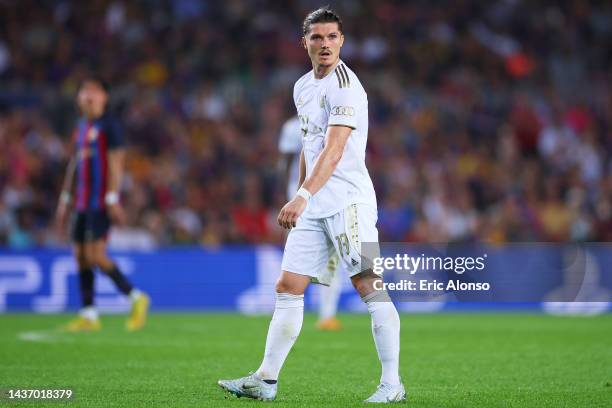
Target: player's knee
x=98 y=258
x=82 y=262
x=104 y=263
x=95 y=259
x=286 y=286
x=282 y=286
x=81 y=259
x=364 y=283
x=358 y=284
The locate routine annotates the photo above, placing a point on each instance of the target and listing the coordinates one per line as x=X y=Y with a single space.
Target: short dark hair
x=103 y=83
x=321 y=15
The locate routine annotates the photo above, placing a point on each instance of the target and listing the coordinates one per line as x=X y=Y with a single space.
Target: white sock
x=134 y=294
x=284 y=329
x=89 y=313
x=386 y=332
x=329 y=296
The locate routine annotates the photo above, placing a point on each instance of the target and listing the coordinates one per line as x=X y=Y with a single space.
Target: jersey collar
x=328 y=74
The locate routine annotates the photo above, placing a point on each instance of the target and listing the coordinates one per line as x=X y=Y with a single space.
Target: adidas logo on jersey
x=343 y=77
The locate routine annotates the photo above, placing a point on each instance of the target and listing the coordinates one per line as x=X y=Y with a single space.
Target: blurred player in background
x=333 y=211
x=98 y=165
x=290 y=145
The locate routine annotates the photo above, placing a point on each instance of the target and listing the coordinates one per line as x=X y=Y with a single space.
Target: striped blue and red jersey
x=93 y=140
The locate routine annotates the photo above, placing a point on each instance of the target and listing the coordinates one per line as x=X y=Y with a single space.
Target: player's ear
x=303 y=41
x=341 y=39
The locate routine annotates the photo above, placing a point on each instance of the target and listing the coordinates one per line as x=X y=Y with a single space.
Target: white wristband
x=305 y=194
x=111 y=198
x=65 y=197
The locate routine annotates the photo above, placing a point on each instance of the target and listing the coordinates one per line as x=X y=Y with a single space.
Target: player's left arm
x=337 y=136
x=116 y=160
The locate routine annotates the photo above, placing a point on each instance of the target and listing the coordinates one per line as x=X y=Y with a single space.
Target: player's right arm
x=65 y=198
x=302 y=172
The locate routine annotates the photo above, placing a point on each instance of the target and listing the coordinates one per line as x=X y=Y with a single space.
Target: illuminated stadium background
x=490 y=126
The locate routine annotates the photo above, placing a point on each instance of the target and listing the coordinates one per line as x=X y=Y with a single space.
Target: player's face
x=323 y=43
x=92 y=99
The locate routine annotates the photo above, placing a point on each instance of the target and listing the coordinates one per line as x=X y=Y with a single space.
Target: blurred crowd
x=489 y=120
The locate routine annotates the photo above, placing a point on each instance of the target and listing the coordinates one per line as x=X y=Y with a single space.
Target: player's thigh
x=80 y=255
x=307 y=250
x=78 y=228
x=96 y=227
x=93 y=225
x=99 y=255
x=354 y=236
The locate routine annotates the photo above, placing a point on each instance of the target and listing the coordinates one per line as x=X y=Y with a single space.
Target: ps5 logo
x=46 y=291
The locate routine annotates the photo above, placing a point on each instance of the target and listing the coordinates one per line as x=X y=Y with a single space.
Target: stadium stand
x=489 y=121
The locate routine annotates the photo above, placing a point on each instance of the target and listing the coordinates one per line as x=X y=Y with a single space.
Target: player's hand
x=116 y=213
x=288 y=215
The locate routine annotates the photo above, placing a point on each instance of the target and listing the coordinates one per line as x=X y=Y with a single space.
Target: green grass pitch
x=447 y=360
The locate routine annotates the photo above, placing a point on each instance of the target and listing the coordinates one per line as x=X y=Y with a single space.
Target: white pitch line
x=41 y=336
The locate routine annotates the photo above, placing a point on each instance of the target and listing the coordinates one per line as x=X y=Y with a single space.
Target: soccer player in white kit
x=290 y=145
x=334 y=210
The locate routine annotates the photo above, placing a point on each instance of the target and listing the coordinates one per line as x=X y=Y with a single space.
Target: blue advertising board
x=242 y=278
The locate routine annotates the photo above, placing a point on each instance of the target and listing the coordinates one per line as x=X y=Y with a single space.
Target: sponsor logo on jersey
x=343 y=111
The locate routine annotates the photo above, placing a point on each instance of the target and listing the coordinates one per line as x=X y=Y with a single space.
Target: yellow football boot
x=330 y=324
x=138 y=316
x=81 y=324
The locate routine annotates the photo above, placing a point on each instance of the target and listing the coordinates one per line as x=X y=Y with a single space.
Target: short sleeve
x=343 y=103
x=290 y=140
x=114 y=134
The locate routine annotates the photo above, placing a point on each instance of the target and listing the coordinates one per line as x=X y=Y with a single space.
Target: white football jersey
x=336 y=99
x=290 y=142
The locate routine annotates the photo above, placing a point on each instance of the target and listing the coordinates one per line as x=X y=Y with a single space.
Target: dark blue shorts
x=90 y=225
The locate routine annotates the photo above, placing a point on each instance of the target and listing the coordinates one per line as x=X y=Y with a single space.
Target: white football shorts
x=313 y=241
